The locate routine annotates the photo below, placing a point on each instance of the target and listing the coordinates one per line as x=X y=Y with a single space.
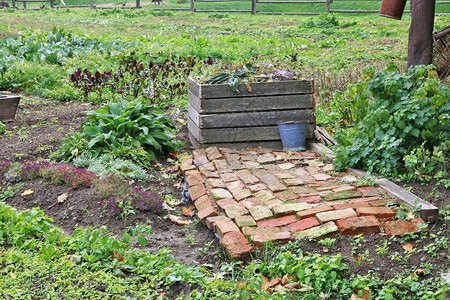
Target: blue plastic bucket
x=293 y=135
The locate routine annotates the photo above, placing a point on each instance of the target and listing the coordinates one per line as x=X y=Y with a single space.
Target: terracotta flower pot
x=8 y=107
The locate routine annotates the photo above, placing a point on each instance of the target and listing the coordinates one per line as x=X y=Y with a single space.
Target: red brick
x=351 y=205
x=242 y=194
x=197 y=191
x=321 y=177
x=378 y=212
x=252 y=231
x=194 y=179
x=257 y=187
x=216 y=183
x=236 y=246
x=208 y=211
x=235 y=186
x=210 y=174
x=313 y=211
x=247 y=177
x=276 y=187
x=334 y=215
x=310 y=199
x=207 y=167
x=278 y=221
x=250 y=202
x=202 y=202
x=382 y=202
x=400 y=227
x=226 y=202
x=212 y=221
x=359 y=225
x=225 y=226
x=200 y=157
x=286 y=195
x=187 y=165
x=228 y=177
x=301 y=225
x=344 y=188
x=369 y=191
x=260 y=238
x=213 y=153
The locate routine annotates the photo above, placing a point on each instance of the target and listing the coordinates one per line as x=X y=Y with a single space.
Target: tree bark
x=420 y=46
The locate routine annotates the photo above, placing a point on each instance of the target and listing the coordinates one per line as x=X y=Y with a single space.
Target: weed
x=383 y=249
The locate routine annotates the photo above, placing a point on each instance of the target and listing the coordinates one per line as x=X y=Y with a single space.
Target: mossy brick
x=286 y=195
x=216 y=183
x=281 y=237
x=235 y=185
x=212 y=221
x=202 y=202
x=286 y=166
x=197 y=191
x=310 y=199
x=236 y=246
x=299 y=172
x=247 y=177
x=281 y=174
x=341 y=195
x=320 y=231
x=250 y=202
x=252 y=165
x=315 y=163
x=187 y=165
x=383 y=202
x=264 y=195
x=252 y=231
x=277 y=222
x=293 y=181
x=290 y=208
x=248 y=157
x=229 y=177
x=379 y=212
x=257 y=187
x=222 y=166
x=225 y=226
x=260 y=212
x=301 y=225
x=369 y=191
x=273 y=203
x=232 y=211
x=353 y=205
x=191 y=172
x=328 y=168
x=304 y=190
x=242 y=194
x=210 y=174
x=231 y=157
x=183 y=157
x=218 y=194
x=265 y=176
x=208 y=167
x=276 y=187
x=194 y=179
x=359 y=225
x=334 y=215
x=313 y=211
x=244 y=220
x=400 y=227
x=200 y=157
x=237 y=166
x=312 y=170
x=266 y=158
x=206 y=212
x=226 y=202
x=213 y=153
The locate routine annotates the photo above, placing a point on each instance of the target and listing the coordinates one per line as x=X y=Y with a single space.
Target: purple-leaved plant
x=136 y=198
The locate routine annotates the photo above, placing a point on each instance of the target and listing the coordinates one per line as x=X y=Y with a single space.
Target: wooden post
x=138 y=3
x=52 y=4
x=25 y=4
x=192 y=5
x=92 y=4
x=328 y=6
x=14 y=3
x=253 y=7
x=420 y=45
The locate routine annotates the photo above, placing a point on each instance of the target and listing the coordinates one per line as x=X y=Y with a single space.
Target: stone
x=317 y=232
x=216 y=183
x=278 y=221
x=293 y=181
x=232 y=211
x=400 y=227
x=200 y=157
x=341 y=195
x=206 y=212
x=257 y=187
x=353 y=205
x=226 y=226
x=264 y=195
x=202 y=202
x=194 y=179
x=222 y=166
x=213 y=153
x=301 y=225
x=334 y=215
x=286 y=195
x=273 y=203
x=208 y=167
x=228 y=177
x=283 y=237
x=379 y=212
x=250 y=202
x=235 y=185
x=197 y=191
x=226 y=202
x=242 y=194
x=247 y=177
x=244 y=220
x=187 y=165
x=313 y=211
x=290 y=208
x=218 y=194
x=359 y=225
x=212 y=221
x=369 y=191
x=266 y=158
x=236 y=246
x=310 y=199
x=344 y=188
x=286 y=166
x=260 y=212
x=276 y=187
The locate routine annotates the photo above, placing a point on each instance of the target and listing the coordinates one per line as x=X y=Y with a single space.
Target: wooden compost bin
x=8 y=107
x=223 y=118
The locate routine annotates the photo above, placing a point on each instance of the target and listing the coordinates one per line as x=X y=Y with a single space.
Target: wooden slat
x=288 y=87
x=248 y=119
x=262 y=103
x=288 y=2
x=273 y=145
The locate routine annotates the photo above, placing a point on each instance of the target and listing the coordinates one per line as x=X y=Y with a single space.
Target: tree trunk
x=420 y=46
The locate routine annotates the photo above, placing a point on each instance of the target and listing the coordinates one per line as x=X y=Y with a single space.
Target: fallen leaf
x=419 y=272
x=189 y=212
x=408 y=247
x=172 y=169
x=179 y=220
x=249 y=88
x=274 y=281
x=72 y=258
x=27 y=192
x=63 y=198
x=240 y=284
x=293 y=285
x=118 y=256
x=358 y=258
x=265 y=284
x=177 y=185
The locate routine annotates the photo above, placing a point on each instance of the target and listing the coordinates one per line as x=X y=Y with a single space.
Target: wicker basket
x=441 y=52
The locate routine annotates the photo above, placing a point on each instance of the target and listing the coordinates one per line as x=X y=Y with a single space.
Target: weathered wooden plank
x=260 y=103
x=273 y=145
x=239 y=134
x=247 y=119
x=287 y=87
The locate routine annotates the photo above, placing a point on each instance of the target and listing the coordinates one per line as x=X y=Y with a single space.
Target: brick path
x=282 y=196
